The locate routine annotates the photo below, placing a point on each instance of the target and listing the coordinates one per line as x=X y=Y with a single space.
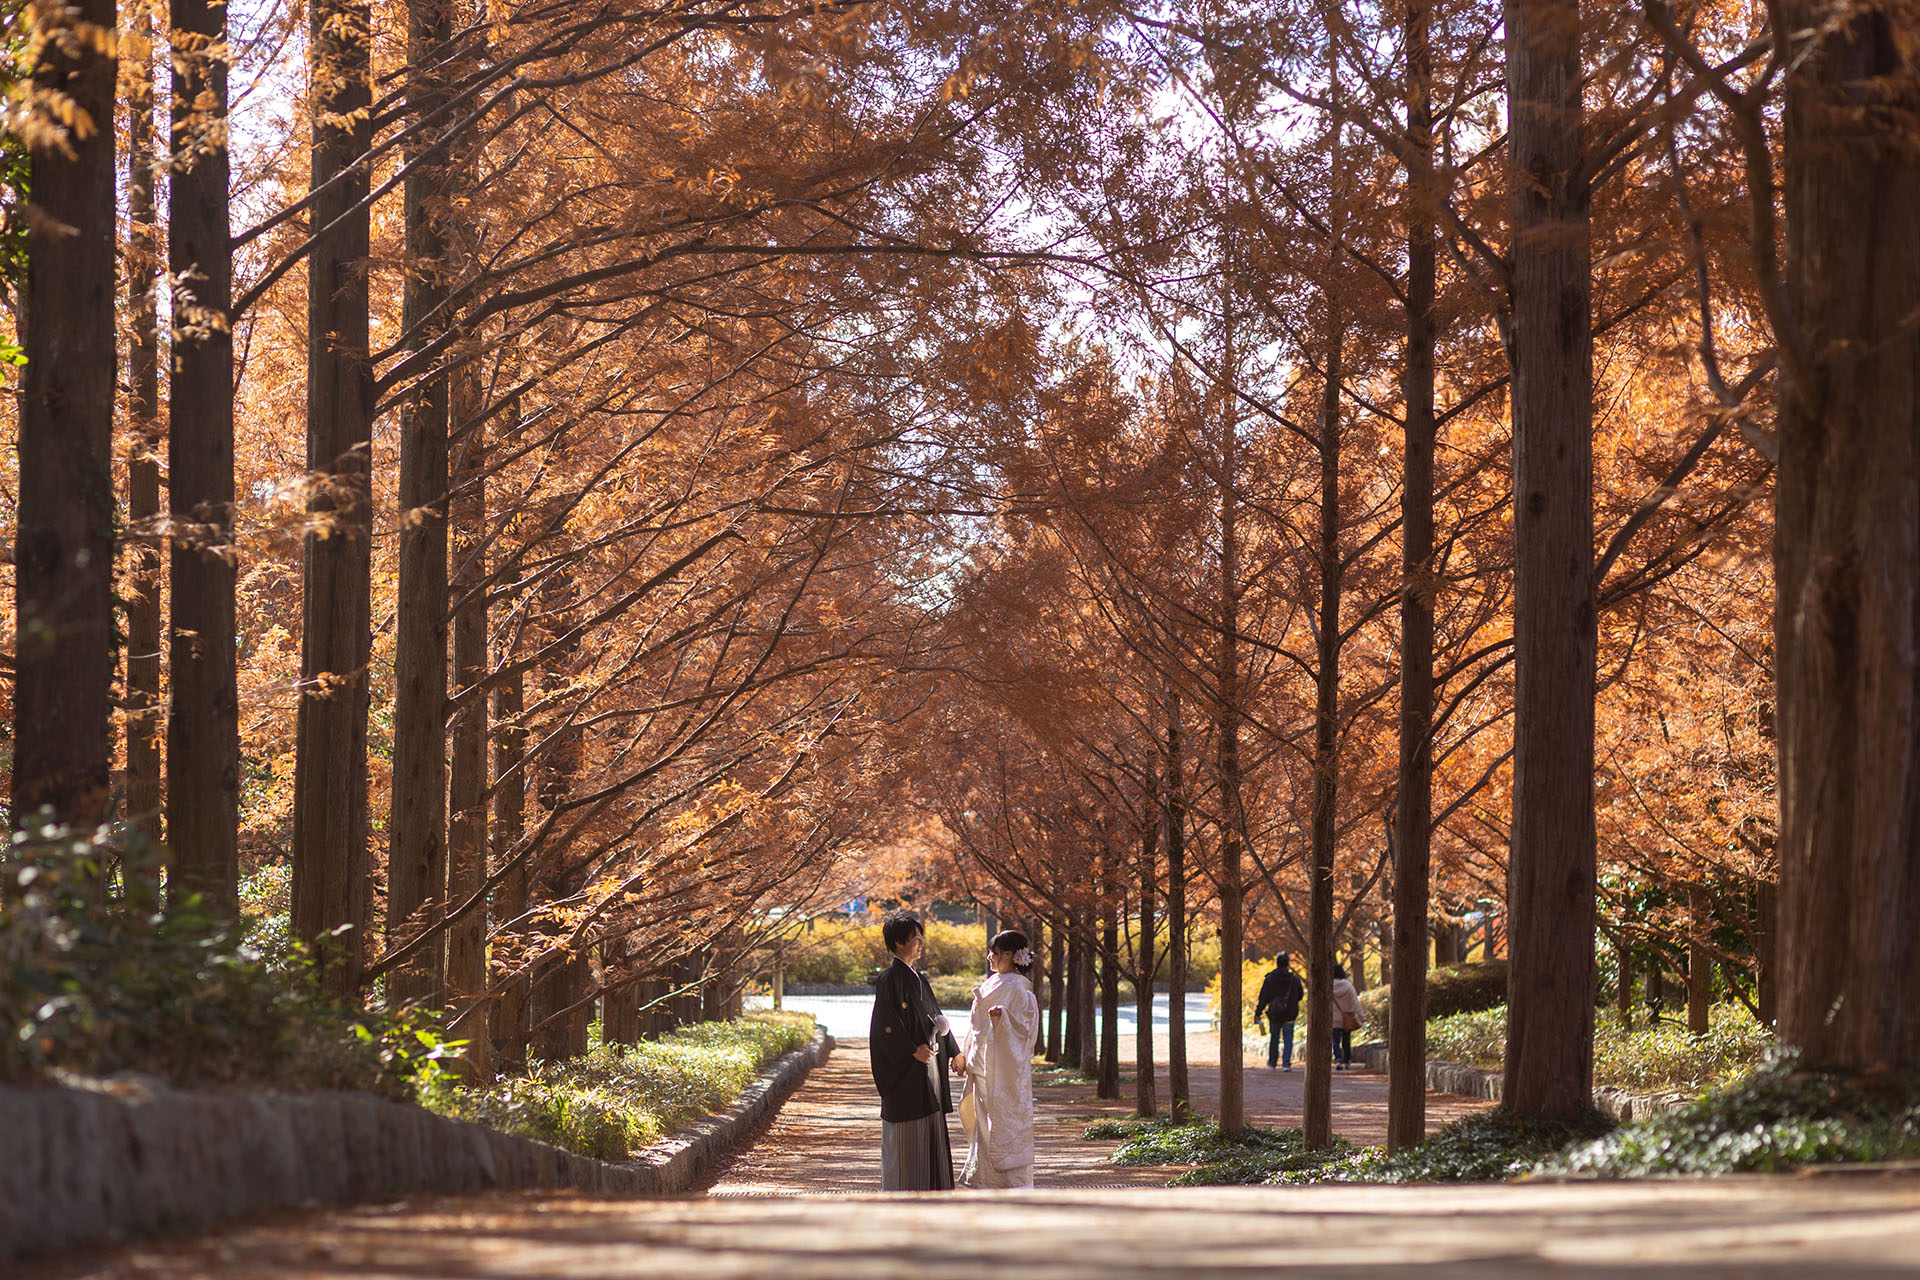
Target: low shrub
x=1255 y=1156
x=95 y=978
x=1492 y=1146
x=1459 y=988
x=1779 y=1117
x=1660 y=1058
x=848 y=952
x=617 y=1099
x=954 y=991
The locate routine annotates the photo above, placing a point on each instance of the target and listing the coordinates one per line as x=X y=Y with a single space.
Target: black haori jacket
x=903 y=1014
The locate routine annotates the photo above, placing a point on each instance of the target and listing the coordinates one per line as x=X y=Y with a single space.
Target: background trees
x=628 y=468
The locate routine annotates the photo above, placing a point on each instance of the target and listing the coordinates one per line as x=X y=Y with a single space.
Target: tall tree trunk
x=1699 y=960
x=1056 y=989
x=1174 y=808
x=1623 y=978
x=1072 y=1052
x=467 y=777
x=1146 y=1101
x=1110 y=975
x=1766 y=940
x=1317 y=1119
x=1550 y=877
x=1847 y=544
x=63 y=690
x=330 y=770
x=417 y=857
x=147 y=439
x=1405 y=963
x=203 y=726
x=508 y=1017
x=1227 y=763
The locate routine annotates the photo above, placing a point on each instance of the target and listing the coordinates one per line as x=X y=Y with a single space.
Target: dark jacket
x=903 y=1014
x=1280 y=995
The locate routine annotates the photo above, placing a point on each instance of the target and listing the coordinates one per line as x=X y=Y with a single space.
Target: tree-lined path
x=826 y=1138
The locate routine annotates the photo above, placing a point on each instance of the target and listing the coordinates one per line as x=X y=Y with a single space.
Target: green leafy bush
x=1779 y=1117
x=1256 y=1155
x=1649 y=1059
x=955 y=991
x=847 y=952
x=1459 y=988
x=1492 y=1146
x=618 y=1098
x=95 y=978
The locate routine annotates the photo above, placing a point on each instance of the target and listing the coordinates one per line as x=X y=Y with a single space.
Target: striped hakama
x=915 y=1155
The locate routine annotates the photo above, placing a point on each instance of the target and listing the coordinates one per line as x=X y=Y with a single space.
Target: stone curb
x=1474 y=1082
x=105 y=1160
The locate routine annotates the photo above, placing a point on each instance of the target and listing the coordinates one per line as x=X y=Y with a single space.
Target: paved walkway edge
x=1474 y=1082
x=111 y=1159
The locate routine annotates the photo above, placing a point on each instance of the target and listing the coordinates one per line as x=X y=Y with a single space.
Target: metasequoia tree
x=203 y=739
x=63 y=554
x=330 y=781
x=1847 y=535
x=1549 y=1060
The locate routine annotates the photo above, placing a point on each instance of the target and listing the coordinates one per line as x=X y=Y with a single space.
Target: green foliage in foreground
x=95 y=978
x=1483 y=1148
x=1662 y=1058
x=1257 y=1155
x=1781 y=1117
x=618 y=1098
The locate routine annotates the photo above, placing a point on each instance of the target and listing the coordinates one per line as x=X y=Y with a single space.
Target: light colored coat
x=1345 y=1000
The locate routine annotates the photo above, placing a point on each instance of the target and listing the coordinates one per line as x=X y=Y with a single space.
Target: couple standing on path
x=1279 y=1005
x=911 y=1046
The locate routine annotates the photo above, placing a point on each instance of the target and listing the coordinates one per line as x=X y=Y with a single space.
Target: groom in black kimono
x=911 y=1046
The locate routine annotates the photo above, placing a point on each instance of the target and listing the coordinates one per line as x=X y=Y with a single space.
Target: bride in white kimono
x=997 y=1108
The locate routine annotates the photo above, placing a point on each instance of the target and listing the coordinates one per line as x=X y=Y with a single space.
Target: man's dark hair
x=899 y=929
x=1282 y=960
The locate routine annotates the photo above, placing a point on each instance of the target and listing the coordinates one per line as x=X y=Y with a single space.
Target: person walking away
x=1346 y=1018
x=996 y=1111
x=910 y=1046
x=1279 y=1005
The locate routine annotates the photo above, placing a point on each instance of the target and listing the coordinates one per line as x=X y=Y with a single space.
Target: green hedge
x=1459 y=988
x=617 y=1099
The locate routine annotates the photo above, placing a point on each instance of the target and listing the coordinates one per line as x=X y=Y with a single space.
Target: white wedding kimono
x=997 y=1108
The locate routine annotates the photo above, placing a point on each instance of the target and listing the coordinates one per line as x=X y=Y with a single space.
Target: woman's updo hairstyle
x=1014 y=943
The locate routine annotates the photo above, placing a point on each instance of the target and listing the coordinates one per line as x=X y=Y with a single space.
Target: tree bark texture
x=330 y=859
x=1317 y=1107
x=467 y=775
x=1227 y=762
x=417 y=855
x=146 y=440
x=203 y=724
x=1699 y=959
x=63 y=688
x=1550 y=878
x=1406 y=967
x=1110 y=977
x=1073 y=1053
x=508 y=1015
x=1145 y=1100
x=1847 y=545
x=1056 y=990
x=1179 y=1090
